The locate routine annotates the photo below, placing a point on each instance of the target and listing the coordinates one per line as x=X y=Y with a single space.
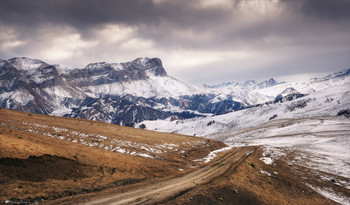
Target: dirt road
x=161 y=191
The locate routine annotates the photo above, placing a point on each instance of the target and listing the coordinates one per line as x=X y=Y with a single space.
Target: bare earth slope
x=45 y=158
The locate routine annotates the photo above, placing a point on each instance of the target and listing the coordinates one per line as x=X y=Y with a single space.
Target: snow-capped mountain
x=142 y=77
x=34 y=86
x=237 y=92
x=120 y=93
x=288 y=94
x=251 y=84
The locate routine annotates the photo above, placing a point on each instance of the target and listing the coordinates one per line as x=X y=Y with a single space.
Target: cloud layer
x=200 y=41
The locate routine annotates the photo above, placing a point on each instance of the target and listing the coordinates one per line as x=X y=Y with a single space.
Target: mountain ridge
x=100 y=90
x=127 y=93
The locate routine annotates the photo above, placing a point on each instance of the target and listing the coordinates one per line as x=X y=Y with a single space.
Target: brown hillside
x=44 y=157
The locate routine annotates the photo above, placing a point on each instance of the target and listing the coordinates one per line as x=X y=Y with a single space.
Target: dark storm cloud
x=155 y=20
x=78 y=13
x=170 y=14
x=241 y=37
x=88 y=13
x=325 y=9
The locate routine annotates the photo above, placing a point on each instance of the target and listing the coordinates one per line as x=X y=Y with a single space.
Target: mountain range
x=321 y=97
x=132 y=92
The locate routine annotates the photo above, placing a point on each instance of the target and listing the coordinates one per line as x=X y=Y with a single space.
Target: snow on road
x=213 y=154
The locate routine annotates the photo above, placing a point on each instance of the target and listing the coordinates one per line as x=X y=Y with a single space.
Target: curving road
x=159 y=192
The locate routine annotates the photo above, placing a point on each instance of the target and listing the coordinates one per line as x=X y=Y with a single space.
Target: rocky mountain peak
x=152 y=66
x=272 y=81
x=289 y=90
x=96 y=65
x=266 y=84
x=26 y=64
x=223 y=85
x=287 y=95
x=249 y=83
x=140 y=68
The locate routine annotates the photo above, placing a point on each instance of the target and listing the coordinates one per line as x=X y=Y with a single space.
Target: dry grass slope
x=45 y=158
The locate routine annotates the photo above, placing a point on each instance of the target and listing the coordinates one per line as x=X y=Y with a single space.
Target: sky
x=198 y=41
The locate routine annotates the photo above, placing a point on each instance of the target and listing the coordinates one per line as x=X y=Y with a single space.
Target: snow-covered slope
x=26 y=64
x=309 y=86
x=154 y=86
x=236 y=92
x=327 y=102
x=143 y=77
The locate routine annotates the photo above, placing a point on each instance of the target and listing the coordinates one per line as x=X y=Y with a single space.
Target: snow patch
x=20 y=96
x=265 y=172
x=213 y=154
x=266 y=160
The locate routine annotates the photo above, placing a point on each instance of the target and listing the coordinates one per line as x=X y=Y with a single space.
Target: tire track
x=161 y=191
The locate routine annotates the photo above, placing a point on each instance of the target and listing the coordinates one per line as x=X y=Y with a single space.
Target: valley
x=286 y=161
x=128 y=133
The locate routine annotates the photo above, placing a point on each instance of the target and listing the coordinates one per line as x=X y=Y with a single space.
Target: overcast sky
x=199 y=41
